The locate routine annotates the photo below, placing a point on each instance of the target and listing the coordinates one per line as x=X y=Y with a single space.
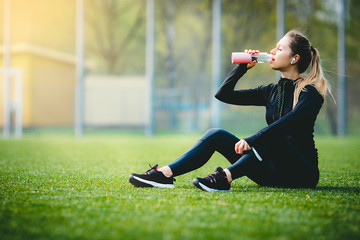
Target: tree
x=114 y=27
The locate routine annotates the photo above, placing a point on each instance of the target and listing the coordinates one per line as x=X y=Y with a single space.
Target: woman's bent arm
x=228 y=94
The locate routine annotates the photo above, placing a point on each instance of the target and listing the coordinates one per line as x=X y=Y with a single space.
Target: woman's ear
x=295 y=59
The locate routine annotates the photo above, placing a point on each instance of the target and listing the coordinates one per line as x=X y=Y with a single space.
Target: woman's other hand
x=242 y=146
x=252 y=52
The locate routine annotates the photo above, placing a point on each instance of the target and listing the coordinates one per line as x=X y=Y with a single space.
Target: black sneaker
x=216 y=182
x=152 y=178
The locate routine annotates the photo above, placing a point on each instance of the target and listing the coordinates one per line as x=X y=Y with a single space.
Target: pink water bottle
x=243 y=57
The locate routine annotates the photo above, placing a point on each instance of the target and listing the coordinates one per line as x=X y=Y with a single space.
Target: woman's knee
x=213 y=133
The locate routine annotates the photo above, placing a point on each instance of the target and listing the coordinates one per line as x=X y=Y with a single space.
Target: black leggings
x=288 y=168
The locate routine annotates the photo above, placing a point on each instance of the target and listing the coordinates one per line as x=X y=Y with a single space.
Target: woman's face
x=281 y=55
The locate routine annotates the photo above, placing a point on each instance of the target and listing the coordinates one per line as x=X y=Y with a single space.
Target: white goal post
x=12 y=103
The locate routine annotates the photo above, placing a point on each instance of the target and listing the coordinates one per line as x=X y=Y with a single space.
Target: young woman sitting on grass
x=283 y=154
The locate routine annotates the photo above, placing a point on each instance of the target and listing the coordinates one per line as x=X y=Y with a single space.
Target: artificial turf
x=66 y=188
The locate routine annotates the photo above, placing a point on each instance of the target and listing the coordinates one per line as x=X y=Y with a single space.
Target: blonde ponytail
x=308 y=54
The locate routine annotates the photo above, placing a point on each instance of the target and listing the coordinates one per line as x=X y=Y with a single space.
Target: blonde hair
x=300 y=45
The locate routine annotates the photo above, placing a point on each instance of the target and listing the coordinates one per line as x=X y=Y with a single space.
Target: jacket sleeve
x=227 y=94
x=305 y=111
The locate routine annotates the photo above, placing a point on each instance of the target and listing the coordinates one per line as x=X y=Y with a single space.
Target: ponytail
x=308 y=54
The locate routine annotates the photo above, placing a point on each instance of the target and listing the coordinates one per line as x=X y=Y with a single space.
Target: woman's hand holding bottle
x=252 y=52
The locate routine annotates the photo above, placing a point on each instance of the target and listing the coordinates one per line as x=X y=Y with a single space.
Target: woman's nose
x=273 y=51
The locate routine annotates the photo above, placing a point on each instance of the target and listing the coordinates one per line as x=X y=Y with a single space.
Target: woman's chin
x=273 y=67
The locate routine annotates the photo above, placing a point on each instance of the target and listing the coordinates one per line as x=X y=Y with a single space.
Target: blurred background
x=151 y=66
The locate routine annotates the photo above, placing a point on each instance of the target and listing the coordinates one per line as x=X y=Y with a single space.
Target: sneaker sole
x=201 y=186
x=136 y=183
x=139 y=182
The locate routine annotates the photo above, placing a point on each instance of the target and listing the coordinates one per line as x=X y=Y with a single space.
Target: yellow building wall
x=52 y=86
x=48 y=90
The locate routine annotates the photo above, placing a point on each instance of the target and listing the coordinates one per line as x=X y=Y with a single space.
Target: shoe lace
x=215 y=177
x=152 y=169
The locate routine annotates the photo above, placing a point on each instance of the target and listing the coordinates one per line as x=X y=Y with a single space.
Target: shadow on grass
x=328 y=189
x=256 y=188
x=344 y=189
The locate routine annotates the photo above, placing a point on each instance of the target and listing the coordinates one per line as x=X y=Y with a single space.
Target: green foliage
x=61 y=188
x=115 y=36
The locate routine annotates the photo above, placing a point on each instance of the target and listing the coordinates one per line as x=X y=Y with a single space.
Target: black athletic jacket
x=296 y=124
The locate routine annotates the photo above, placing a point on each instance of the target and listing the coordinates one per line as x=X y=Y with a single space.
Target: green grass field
x=65 y=188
